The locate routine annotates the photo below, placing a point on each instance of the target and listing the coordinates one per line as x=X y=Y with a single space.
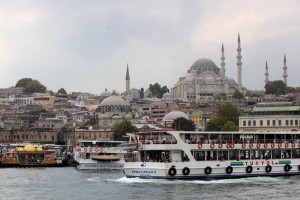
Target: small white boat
x=98 y=155
x=209 y=155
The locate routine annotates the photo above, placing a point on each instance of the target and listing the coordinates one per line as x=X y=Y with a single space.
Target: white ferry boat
x=208 y=155
x=98 y=155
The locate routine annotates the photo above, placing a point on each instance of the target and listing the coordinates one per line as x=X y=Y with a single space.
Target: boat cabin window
x=245 y=155
x=199 y=155
x=295 y=153
x=276 y=154
x=222 y=155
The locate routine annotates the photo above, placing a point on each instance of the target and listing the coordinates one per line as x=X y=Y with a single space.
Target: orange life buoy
x=220 y=145
x=232 y=145
x=100 y=149
x=251 y=145
x=212 y=145
x=90 y=149
x=258 y=145
x=97 y=149
x=273 y=145
x=243 y=145
x=286 y=145
x=199 y=145
x=279 y=145
x=85 y=149
x=266 y=145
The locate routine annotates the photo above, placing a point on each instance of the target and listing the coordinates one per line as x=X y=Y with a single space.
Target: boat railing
x=158 y=142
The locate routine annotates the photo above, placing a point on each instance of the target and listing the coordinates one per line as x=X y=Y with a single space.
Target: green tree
x=290 y=89
x=121 y=128
x=226 y=113
x=61 y=91
x=31 y=86
x=158 y=91
x=277 y=87
x=230 y=126
x=183 y=124
x=238 y=95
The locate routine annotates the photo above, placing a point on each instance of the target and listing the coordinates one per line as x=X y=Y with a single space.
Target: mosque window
x=261 y=123
x=268 y=122
x=291 y=122
x=244 y=123
x=274 y=122
x=279 y=122
x=286 y=122
x=254 y=123
x=296 y=122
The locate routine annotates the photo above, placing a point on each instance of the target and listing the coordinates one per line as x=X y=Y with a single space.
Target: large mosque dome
x=114 y=101
x=204 y=64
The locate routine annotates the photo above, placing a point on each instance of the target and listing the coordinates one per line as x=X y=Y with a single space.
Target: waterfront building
x=268 y=117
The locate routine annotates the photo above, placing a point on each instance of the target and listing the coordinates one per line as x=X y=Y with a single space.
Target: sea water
x=68 y=183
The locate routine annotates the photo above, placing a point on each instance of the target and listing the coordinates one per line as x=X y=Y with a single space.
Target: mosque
x=205 y=79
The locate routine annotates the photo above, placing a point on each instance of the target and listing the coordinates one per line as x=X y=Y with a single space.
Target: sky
x=85 y=46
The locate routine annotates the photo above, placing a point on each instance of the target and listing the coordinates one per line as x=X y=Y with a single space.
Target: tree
x=227 y=112
x=183 y=124
x=61 y=91
x=230 y=126
x=157 y=90
x=121 y=128
x=277 y=87
x=31 y=86
x=238 y=95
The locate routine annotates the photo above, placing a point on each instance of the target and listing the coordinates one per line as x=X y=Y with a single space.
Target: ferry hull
x=91 y=165
x=161 y=171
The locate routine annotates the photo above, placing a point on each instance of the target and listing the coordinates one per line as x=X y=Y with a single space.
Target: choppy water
x=69 y=183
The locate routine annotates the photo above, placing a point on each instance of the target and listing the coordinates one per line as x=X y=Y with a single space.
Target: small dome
x=29 y=147
x=189 y=79
x=128 y=116
x=105 y=93
x=116 y=117
x=167 y=96
x=134 y=89
x=171 y=116
x=114 y=101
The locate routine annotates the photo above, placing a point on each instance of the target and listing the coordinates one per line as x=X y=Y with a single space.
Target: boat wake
x=252 y=180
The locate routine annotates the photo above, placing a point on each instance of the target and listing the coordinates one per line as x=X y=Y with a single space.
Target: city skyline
x=85 y=47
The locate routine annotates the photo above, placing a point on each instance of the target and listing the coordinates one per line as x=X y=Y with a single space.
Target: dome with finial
x=105 y=93
x=204 y=64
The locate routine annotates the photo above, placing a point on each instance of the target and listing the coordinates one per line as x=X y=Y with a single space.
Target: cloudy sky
x=86 y=45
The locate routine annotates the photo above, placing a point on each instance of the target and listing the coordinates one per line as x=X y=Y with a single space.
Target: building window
x=268 y=122
x=274 y=122
x=261 y=123
x=291 y=122
x=286 y=122
x=254 y=123
x=279 y=122
x=249 y=123
x=296 y=122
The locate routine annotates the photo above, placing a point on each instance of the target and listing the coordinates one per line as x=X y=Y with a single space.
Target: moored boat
x=98 y=155
x=208 y=155
x=29 y=156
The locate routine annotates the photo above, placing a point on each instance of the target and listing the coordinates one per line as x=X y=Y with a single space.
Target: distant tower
x=267 y=73
x=239 y=64
x=222 y=72
x=127 y=92
x=284 y=70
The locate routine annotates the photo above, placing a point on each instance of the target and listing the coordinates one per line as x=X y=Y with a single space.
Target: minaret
x=284 y=71
x=222 y=72
x=267 y=73
x=239 y=64
x=128 y=95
